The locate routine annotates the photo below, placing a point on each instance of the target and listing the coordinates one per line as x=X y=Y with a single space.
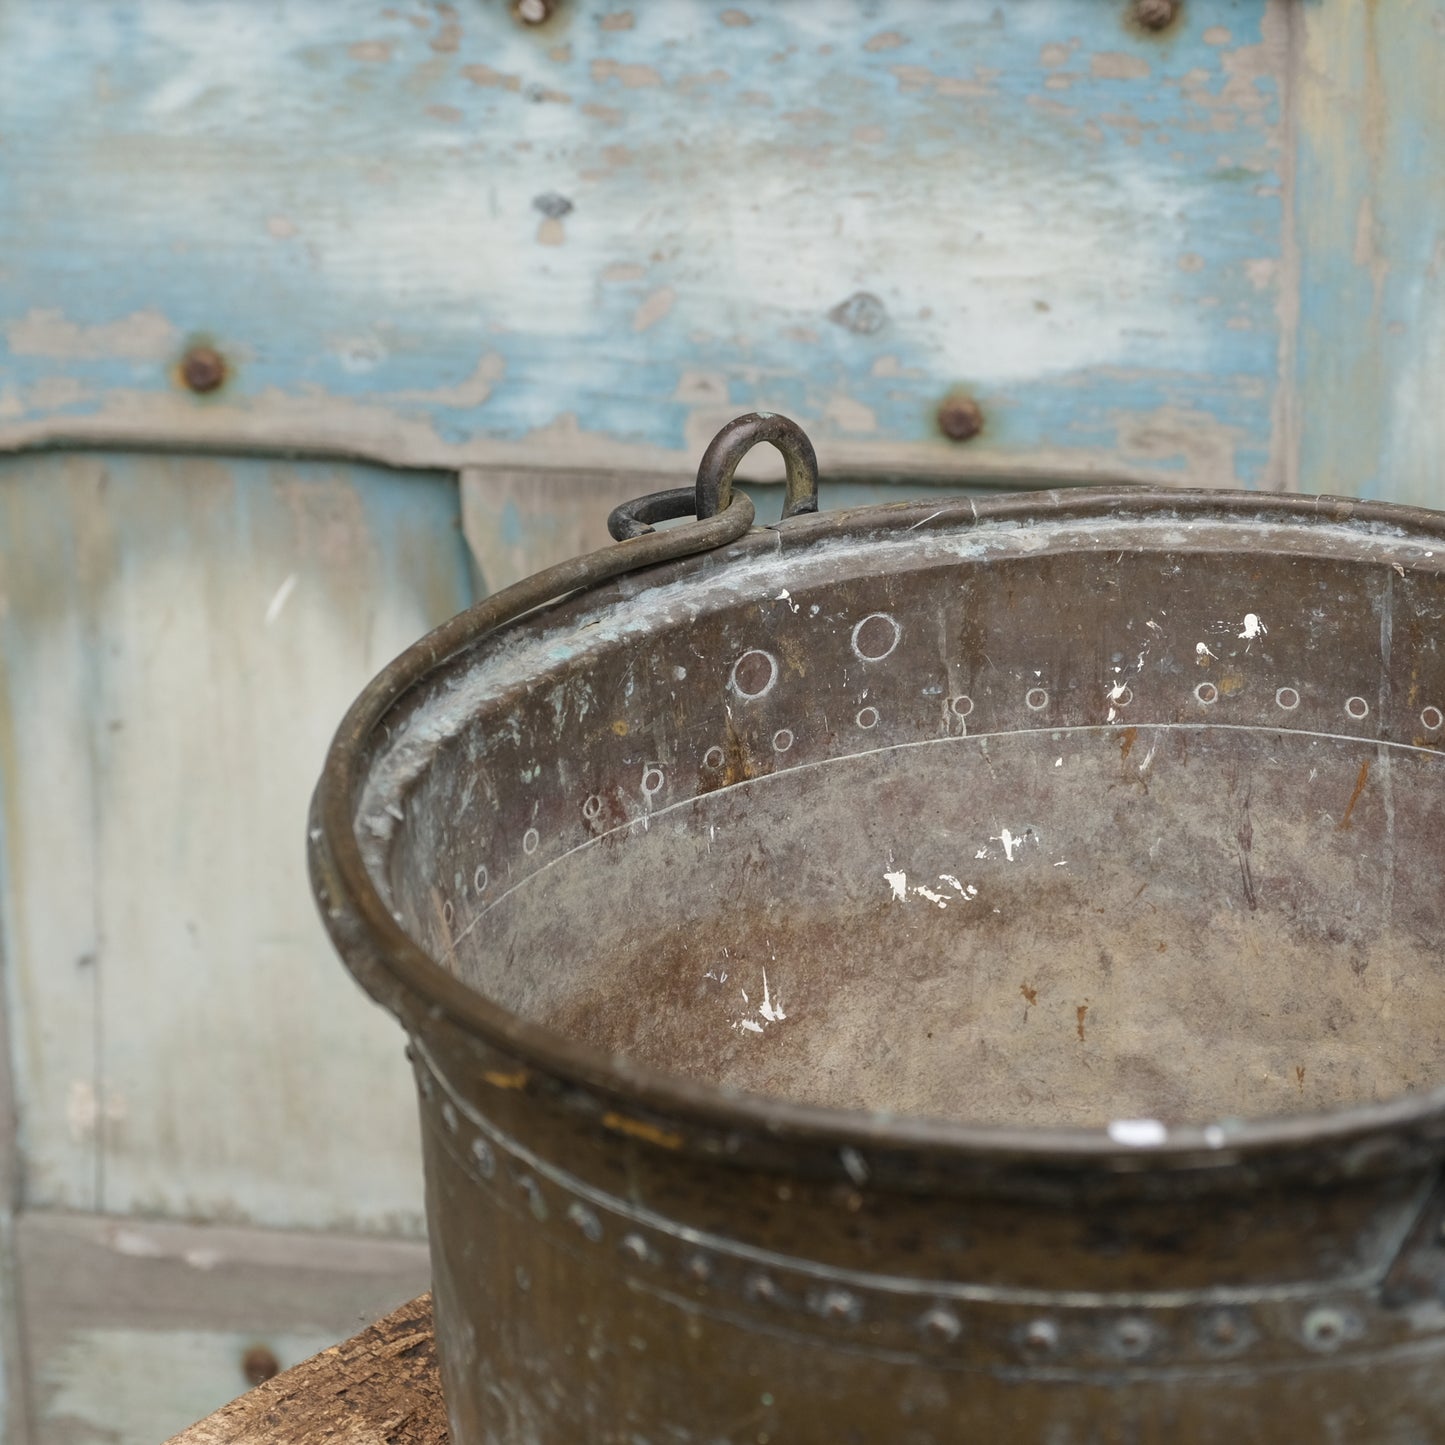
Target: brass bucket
x=952 y=971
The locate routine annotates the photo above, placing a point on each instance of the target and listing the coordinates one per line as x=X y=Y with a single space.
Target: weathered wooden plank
x=1371 y=235
x=435 y=235
x=181 y=636
x=135 y=1329
x=381 y=1387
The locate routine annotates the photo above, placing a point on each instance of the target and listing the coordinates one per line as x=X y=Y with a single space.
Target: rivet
x=839 y=1305
x=534 y=12
x=1133 y=1337
x=634 y=1246
x=259 y=1364
x=586 y=1221
x=449 y=1116
x=762 y=1289
x=203 y=369
x=1041 y=1337
x=698 y=1269
x=1325 y=1329
x=1224 y=1331
x=940 y=1324
x=535 y=1201
x=1156 y=14
x=486 y=1160
x=960 y=418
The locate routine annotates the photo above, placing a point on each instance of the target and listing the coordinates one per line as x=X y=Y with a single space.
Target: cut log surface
x=380 y=1387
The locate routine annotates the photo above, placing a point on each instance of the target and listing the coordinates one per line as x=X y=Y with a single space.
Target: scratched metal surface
x=431 y=233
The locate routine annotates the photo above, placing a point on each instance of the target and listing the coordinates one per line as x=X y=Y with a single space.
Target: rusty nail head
x=960 y=418
x=1156 y=14
x=203 y=369
x=534 y=12
x=259 y=1364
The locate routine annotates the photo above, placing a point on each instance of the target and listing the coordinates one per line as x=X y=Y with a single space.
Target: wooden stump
x=380 y=1387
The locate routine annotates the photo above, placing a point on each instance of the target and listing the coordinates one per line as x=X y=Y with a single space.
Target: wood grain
x=380 y=1387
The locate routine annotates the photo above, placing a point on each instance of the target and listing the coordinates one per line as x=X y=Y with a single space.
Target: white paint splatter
x=898 y=882
x=280 y=598
x=1202 y=648
x=1253 y=627
x=953 y=883
x=982 y=853
x=785 y=596
x=930 y=895
x=1058 y=762
x=1009 y=843
x=1115 y=693
x=751 y=1025
x=771 y=1009
x=1138 y=1133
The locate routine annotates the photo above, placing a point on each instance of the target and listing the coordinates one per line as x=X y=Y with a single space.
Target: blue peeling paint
x=326 y=191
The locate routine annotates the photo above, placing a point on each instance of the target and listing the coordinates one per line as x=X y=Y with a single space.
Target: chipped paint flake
x=1253 y=627
x=279 y=599
x=898 y=882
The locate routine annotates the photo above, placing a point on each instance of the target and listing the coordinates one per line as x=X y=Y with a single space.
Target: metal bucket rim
x=418 y=989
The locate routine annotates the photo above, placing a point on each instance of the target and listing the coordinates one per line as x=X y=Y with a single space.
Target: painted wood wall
x=466 y=274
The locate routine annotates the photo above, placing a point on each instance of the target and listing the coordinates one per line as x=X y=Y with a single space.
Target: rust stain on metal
x=641 y=1129
x=203 y=370
x=1299 y=1077
x=1127 y=739
x=517 y=1079
x=1364 y=777
x=620 y=727
x=960 y=418
x=1080 y=1014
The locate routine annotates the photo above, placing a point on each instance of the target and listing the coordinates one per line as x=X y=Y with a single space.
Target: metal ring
x=720 y=462
x=635 y=518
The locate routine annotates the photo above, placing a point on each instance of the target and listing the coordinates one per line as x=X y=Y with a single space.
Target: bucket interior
x=1047 y=825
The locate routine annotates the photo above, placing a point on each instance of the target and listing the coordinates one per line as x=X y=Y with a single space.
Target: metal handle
x=713 y=493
